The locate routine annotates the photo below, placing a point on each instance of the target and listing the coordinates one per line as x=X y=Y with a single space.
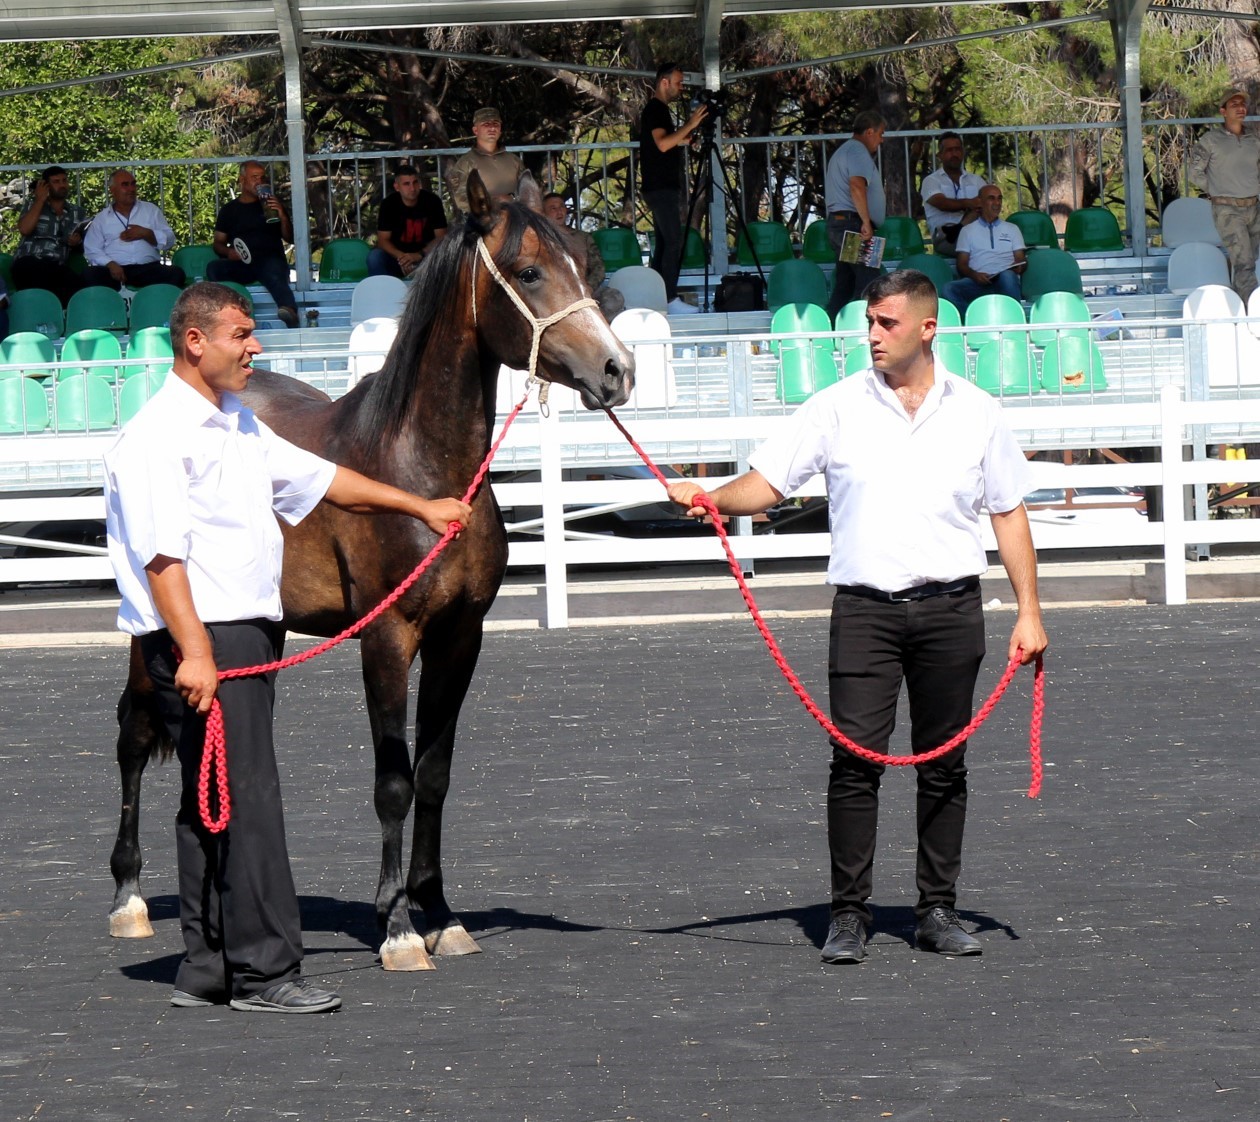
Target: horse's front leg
x=387 y=653
x=448 y=659
x=141 y=734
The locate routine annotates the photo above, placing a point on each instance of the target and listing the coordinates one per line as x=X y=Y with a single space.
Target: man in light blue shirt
x=990 y=255
x=855 y=201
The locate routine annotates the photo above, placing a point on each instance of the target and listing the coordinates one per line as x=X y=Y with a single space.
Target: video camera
x=715 y=102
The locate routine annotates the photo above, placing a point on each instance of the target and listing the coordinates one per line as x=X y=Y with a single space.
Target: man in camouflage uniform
x=1225 y=165
x=499 y=169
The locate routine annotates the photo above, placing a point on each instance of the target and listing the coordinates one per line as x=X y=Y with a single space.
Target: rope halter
x=537 y=326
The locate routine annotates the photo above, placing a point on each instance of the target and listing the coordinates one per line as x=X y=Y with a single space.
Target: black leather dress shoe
x=294 y=996
x=846 y=940
x=941 y=931
x=182 y=999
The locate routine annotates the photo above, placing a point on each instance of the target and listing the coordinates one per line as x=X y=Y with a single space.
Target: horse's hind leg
x=448 y=660
x=387 y=655
x=141 y=734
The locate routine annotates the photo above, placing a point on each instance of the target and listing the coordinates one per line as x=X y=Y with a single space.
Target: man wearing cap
x=500 y=170
x=1225 y=166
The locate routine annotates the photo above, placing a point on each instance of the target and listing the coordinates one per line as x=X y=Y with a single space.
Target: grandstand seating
x=798 y=318
x=857 y=358
x=771 y=241
x=36 y=309
x=377 y=296
x=1006 y=366
x=1050 y=270
x=97 y=306
x=1092 y=229
x=796 y=282
x=646 y=333
x=618 y=246
x=23 y=406
x=193 y=259
x=951 y=349
x=986 y=314
x=694 y=254
x=1037 y=228
x=151 y=306
x=1073 y=364
x=816 y=245
x=947 y=315
x=84 y=402
x=1194 y=264
x=852 y=317
x=642 y=287
x=149 y=351
x=369 y=346
x=90 y=345
x=937 y=269
x=803 y=371
x=344 y=260
x=1061 y=308
x=1188 y=220
x=32 y=352
x=136 y=391
x=902 y=237
x=1231 y=354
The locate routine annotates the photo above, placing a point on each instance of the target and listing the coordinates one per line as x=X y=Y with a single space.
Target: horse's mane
x=429 y=312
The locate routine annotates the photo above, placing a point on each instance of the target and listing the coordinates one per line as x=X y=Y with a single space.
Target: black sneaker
x=294 y=996
x=846 y=940
x=941 y=931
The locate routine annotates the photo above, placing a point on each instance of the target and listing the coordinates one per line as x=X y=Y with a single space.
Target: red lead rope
x=1039 y=688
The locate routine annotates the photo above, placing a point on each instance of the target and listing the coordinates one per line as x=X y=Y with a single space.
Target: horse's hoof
x=405 y=952
x=131 y=921
x=450 y=939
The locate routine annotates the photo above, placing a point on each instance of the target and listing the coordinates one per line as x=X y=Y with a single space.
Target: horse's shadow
x=356 y=919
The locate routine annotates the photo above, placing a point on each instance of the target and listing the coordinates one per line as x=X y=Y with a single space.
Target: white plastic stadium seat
x=1194 y=265
x=369 y=344
x=1188 y=220
x=1253 y=312
x=647 y=334
x=1231 y=353
x=376 y=297
x=641 y=286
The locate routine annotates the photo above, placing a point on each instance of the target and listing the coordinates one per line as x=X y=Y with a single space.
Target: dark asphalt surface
x=635 y=835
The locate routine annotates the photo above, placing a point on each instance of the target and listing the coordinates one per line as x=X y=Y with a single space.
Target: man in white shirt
x=991 y=255
x=911 y=456
x=950 y=196
x=126 y=240
x=193 y=486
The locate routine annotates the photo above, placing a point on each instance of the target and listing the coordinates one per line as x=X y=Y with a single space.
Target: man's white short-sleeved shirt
x=992 y=247
x=204 y=485
x=939 y=183
x=905 y=495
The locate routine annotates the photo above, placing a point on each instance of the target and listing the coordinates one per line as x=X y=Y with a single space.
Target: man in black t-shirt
x=249 y=237
x=410 y=223
x=662 y=163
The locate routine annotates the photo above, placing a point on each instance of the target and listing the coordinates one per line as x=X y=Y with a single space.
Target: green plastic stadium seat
x=32 y=352
x=1073 y=364
x=986 y=313
x=952 y=351
x=947 y=315
x=36 y=309
x=903 y=237
x=1057 y=307
x=151 y=306
x=91 y=345
x=193 y=259
x=1092 y=229
x=937 y=269
x=857 y=358
x=1006 y=367
x=618 y=246
x=97 y=306
x=236 y=286
x=149 y=351
x=136 y=391
x=799 y=317
x=694 y=255
x=1037 y=227
x=771 y=240
x=1050 y=270
x=804 y=371
x=23 y=406
x=797 y=282
x=84 y=402
x=816 y=246
x=344 y=260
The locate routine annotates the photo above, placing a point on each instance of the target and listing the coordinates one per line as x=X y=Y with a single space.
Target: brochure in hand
x=855 y=251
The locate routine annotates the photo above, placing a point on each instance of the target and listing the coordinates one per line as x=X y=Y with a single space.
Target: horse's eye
x=529 y=276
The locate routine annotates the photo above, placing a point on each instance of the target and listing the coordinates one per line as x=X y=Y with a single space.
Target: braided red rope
x=1038 y=704
x=214 y=753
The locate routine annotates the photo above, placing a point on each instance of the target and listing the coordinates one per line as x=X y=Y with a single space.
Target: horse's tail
x=142 y=730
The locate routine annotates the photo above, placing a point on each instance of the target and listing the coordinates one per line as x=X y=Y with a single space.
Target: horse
x=502 y=290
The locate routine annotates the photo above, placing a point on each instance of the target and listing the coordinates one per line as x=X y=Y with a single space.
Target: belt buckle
x=894 y=598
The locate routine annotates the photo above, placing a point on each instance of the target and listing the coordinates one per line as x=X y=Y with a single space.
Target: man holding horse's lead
x=911 y=455
x=193 y=489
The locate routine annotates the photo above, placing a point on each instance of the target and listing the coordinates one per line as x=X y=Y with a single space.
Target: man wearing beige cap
x=1225 y=166
x=499 y=170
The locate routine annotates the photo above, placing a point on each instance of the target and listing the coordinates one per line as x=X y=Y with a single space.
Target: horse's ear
x=480 y=204
x=529 y=193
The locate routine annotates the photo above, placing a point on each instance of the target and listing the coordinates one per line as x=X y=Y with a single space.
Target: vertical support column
x=1173 y=484
x=555 y=576
x=709 y=14
x=1126 y=29
x=289 y=21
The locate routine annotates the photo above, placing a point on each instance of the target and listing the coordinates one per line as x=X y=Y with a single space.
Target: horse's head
x=532 y=294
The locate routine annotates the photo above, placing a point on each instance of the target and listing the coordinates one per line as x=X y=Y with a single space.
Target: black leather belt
x=918 y=592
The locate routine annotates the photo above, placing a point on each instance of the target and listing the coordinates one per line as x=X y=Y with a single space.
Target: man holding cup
x=249 y=237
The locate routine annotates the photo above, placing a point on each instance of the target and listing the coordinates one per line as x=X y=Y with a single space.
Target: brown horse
x=423 y=423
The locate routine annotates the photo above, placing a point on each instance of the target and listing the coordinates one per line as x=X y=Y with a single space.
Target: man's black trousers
x=237 y=904
x=936 y=645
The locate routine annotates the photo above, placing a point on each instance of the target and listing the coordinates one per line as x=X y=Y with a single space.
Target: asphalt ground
x=635 y=835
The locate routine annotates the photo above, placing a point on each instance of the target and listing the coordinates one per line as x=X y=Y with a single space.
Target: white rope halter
x=538 y=326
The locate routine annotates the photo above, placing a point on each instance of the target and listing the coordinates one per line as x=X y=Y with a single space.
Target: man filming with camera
x=662 y=164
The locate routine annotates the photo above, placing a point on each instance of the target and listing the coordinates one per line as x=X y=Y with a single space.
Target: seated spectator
x=990 y=255
x=411 y=222
x=609 y=299
x=950 y=196
x=51 y=228
x=500 y=170
x=126 y=240
x=249 y=237
x=4 y=310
